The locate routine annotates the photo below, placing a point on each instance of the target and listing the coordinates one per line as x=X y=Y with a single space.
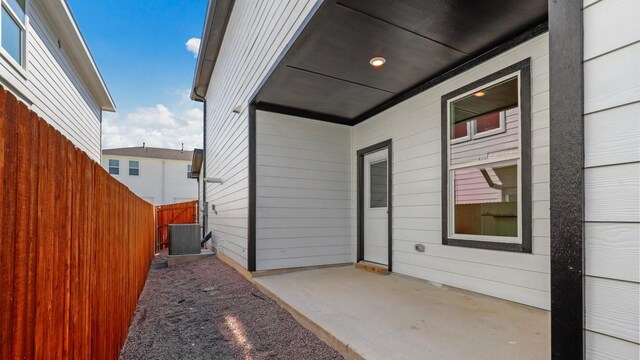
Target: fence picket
x=8 y=230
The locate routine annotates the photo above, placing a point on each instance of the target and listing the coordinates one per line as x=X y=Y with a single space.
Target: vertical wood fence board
x=23 y=241
x=53 y=250
x=5 y=326
x=44 y=195
x=32 y=178
x=6 y=232
x=65 y=223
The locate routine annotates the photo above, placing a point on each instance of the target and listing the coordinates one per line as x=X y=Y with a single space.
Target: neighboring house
x=46 y=63
x=349 y=131
x=160 y=176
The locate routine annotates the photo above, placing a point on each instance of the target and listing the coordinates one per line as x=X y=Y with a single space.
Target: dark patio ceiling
x=326 y=70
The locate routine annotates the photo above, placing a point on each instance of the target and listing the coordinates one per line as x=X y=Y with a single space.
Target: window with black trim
x=134 y=167
x=114 y=167
x=486 y=162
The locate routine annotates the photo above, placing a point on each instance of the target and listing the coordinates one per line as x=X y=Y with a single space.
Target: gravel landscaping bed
x=206 y=310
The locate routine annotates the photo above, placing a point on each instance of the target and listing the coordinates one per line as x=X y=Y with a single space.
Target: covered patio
x=366 y=315
x=415 y=137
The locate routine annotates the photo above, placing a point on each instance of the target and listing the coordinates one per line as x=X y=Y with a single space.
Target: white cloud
x=193 y=46
x=157 y=126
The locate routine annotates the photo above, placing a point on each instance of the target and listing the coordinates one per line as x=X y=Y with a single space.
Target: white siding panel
x=612 y=308
x=524 y=295
x=612 y=136
x=612 y=250
x=612 y=193
x=294 y=262
x=609 y=25
x=602 y=347
x=414 y=127
x=540 y=119
x=303 y=198
x=256 y=35
x=613 y=79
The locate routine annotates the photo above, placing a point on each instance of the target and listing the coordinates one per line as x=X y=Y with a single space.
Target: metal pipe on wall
x=205 y=214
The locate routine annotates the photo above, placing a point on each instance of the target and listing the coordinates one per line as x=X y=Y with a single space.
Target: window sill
x=486 y=245
x=17 y=68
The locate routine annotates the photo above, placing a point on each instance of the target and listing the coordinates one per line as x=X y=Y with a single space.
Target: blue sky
x=140 y=49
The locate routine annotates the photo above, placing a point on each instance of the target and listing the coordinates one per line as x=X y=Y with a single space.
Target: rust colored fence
x=179 y=213
x=75 y=245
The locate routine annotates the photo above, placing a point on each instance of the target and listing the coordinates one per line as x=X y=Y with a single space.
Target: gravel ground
x=206 y=310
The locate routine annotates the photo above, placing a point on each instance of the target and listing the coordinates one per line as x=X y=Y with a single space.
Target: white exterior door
x=376 y=202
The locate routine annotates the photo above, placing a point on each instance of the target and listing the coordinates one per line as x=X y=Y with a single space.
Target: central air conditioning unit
x=184 y=239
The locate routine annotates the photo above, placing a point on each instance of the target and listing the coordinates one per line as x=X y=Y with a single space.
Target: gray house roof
x=150 y=152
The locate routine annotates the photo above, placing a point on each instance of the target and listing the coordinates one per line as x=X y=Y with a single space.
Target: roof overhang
x=61 y=19
x=216 y=20
x=326 y=73
x=196 y=163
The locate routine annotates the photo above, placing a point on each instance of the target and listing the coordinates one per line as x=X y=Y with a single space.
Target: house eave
x=216 y=20
x=72 y=41
x=196 y=163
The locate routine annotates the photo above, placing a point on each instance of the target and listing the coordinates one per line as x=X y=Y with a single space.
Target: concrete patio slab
x=398 y=317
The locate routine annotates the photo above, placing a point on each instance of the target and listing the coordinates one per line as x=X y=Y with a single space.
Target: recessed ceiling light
x=480 y=94
x=377 y=61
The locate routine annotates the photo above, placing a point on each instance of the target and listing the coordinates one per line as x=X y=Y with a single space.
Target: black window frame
x=524 y=69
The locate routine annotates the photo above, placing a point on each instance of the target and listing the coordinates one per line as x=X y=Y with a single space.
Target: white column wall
x=303 y=192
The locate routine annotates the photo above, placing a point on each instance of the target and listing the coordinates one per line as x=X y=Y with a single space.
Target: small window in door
x=378 y=188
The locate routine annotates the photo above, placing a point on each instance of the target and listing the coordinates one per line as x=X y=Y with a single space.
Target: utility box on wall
x=184 y=239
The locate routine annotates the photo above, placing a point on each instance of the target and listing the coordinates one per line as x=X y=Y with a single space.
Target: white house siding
x=257 y=33
x=414 y=126
x=161 y=181
x=52 y=86
x=303 y=187
x=612 y=178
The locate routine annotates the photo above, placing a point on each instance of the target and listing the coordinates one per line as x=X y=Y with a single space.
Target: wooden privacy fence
x=178 y=213
x=75 y=245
